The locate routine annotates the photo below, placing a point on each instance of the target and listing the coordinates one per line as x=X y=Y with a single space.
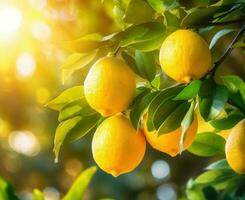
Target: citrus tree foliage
x=76 y=192
x=144 y=26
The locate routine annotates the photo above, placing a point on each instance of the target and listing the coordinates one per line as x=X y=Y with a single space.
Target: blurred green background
x=31 y=33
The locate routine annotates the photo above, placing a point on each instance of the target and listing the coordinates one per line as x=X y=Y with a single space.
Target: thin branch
x=226 y=22
x=228 y=50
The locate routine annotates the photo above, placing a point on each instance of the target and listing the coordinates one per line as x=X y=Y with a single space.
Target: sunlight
x=25 y=65
x=10 y=21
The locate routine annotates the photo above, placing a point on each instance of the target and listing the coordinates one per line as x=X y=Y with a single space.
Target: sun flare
x=10 y=20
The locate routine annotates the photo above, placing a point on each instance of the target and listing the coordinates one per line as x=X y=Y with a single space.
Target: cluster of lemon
x=110 y=87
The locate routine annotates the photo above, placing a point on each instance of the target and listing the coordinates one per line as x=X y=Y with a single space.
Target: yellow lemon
x=117 y=147
x=169 y=142
x=185 y=56
x=207 y=127
x=109 y=86
x=235 y=148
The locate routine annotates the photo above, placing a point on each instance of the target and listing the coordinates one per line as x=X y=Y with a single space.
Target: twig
x=228 y=50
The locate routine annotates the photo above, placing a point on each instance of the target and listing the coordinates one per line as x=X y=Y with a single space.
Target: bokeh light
x=73 y=167
x=25 y=65
x=10 y=20
x=41 y=31
x=166 y=192
x=51 y=193
x=24 y=142
x=160 y=169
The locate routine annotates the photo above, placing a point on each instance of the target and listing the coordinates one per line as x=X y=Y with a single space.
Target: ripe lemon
x=185 y=56
x=117 y=147
x=235 y=148
x=109 y=86
x=207 y=127
x=169 y=143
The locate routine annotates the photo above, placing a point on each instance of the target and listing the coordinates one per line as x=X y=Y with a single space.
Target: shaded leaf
x=131 y=62
x=228 y=122
x=201 y=16
x=138 y=12
x=140 y=107
x=173 y=121
x=146 y=64
x=207 y=144
x=77 y=190
x=162 y=97
x=212 y=99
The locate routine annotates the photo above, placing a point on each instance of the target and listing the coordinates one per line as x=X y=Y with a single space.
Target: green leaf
x=61 y=132
x=201 y=16
x=156 y=82
x=65 y=97
x=235 y=85
x=190 y=91
x=83 y=127
x=210 y=193
x=85 y=44
x=78 y=107
x=207 y=144
x=185 y=124
x=145 y=37
x=38 y=195
x=208 y=176
x=212 y=176
x=77 y=190
x=146 y=64
x=138 y=12
x=161 y=5
x=219 y=35
x=219 y=165
x=119 y=11
x=140 y=107
x=173 y=121
x=75 y=62
x=171 y=19
x=73 y=129
x=162 y=97
x=131 y=62
x=212 y=99
x=6 y=191
x=228 y=122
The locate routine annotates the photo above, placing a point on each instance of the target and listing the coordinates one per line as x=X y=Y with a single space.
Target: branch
x=228 y=50
x=226 y=22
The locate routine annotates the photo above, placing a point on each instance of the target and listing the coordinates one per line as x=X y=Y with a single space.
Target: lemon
x=207 y=127
x=117 y=147
x=109 y=86
x=235 y=148
x=169 y=142
x=185 y=56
